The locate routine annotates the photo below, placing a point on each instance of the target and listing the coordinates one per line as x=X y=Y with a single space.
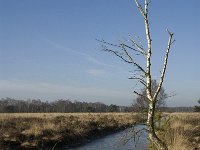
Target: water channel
x=118 y=141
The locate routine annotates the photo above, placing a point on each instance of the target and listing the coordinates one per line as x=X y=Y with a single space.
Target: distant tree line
x=10 y=105
x=179 y=109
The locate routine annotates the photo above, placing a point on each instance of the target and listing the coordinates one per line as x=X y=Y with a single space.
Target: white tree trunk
x=146 y=73
x=151 y=131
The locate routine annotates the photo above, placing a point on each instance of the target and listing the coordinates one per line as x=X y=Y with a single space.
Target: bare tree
x=197 y=108
x=141 y=102
x=125 y=53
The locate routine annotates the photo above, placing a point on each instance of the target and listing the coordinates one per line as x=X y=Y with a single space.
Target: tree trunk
x=151 y=131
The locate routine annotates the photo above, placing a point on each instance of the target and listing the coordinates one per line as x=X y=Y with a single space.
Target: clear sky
x=48 y=49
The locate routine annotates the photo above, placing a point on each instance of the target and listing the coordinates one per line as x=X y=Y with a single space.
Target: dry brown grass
x=181 y=131
x=41 y=129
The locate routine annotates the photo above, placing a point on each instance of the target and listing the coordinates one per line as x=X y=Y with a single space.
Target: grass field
x=181 y=131
x=46 y=129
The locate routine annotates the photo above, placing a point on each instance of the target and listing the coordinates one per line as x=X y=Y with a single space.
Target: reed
x=181 y=131
x=38 y=130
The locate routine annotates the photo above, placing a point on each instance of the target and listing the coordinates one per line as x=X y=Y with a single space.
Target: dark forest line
x=11 y=105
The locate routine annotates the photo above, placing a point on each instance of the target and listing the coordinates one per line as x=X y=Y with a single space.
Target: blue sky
x=48 y=49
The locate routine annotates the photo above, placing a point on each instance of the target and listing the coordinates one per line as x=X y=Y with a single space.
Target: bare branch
x=136 y=64
x=118 y=55
x=124 y=45
x=140 y=79
x=142 y=96
x=139 y=75
x=165 y=64
x=140 y=8
x=171 y=94
x=130 y=61
x=119 y=46
x=133 y=133
x=104 y=42
x=127 y=54
x=146 y=3
x=140 y=48
x=144 y=83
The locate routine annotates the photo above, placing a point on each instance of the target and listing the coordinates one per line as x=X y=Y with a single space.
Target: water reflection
x=119 y=141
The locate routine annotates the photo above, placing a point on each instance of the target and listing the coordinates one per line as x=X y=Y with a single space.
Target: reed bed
x=42 y=130
x=181 y=131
